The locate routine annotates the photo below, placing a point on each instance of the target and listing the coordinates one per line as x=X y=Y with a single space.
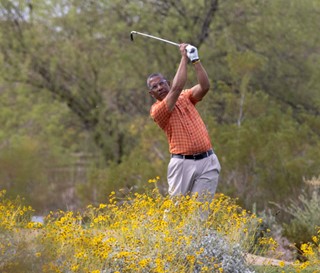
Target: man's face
x=158 y=87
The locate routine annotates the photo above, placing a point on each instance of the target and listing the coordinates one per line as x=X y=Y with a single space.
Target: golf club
x=153 y=37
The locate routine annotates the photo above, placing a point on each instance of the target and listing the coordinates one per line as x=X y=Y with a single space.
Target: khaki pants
x=188 y=176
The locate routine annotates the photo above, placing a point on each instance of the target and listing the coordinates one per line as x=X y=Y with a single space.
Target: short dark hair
x=154 y=75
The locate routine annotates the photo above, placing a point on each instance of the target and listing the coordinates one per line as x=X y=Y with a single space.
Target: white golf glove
x=192 y=53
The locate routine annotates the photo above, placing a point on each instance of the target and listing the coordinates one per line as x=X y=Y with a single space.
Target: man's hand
x=192 y=53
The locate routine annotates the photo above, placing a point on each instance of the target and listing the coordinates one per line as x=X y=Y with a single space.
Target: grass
x=286 y=269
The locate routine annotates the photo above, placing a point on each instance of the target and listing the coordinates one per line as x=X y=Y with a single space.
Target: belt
x=194 y=157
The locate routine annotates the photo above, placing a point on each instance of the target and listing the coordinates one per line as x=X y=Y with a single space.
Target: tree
x=67 y=48
x=265 y=48
x=262 y=60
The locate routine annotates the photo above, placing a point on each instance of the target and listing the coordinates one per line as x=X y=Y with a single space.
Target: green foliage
x=146 y=160
x=36 y=137
x=304 y=221
x=263 y=156
x=82 y=90
x=23 y=169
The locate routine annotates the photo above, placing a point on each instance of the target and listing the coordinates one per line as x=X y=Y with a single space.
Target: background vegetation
x=74 y=105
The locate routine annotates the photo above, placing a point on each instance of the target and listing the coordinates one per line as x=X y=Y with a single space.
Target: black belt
x=194 y=157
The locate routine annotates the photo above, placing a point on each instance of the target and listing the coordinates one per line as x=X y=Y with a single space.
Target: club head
x=131 y=35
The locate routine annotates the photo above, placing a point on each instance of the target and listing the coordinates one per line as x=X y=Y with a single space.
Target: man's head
x=158 y=86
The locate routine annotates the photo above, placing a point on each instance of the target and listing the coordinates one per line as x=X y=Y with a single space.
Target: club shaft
x=154 y=37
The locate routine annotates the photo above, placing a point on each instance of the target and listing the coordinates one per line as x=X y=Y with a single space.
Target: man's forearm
x=180 y=78
x=178 y=83
x=202 y=76
x=203 y=86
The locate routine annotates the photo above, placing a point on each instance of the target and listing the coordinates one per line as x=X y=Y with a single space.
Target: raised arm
x=179 y=79
x=201 y=89
x=203 y=86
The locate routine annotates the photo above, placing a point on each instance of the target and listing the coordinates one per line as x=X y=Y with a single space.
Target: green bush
x=305 y=218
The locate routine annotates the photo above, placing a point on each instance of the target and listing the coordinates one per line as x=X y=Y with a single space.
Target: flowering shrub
x=14 y=244
x=12 y=212
x=311 y=252
x=146 y=233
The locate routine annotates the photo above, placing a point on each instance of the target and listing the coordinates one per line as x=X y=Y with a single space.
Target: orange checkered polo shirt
x=185 y=130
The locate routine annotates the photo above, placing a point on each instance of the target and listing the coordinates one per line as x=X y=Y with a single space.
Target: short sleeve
x=188 y=94
x=160 y=113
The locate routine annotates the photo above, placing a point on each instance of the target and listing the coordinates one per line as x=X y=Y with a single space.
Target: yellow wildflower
x=315 y=239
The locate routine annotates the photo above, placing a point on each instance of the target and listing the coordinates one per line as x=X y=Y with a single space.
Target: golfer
x=193 y=167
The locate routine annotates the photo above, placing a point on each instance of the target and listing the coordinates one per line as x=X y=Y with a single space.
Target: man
x=193 y=167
